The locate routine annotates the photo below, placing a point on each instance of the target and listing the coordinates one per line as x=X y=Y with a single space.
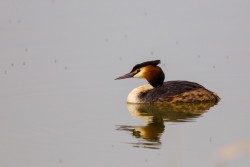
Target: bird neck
x=155 y=77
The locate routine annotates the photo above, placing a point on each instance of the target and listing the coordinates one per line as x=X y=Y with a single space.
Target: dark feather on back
x=168 y=90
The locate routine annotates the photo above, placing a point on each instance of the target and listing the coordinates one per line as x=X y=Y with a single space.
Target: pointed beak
x=129 y=75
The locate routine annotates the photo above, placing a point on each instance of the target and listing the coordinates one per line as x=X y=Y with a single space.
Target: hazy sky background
x=59 y=58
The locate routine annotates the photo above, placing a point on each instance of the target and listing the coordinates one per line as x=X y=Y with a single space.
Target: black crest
x=153 y=63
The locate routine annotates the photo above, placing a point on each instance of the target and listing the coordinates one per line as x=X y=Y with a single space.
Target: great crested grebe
x=158 y=91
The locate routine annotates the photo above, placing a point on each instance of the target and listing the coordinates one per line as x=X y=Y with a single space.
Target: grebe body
x=158 y=91
x=171 y=92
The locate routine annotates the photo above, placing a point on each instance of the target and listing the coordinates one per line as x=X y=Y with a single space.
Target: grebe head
x=147 y=70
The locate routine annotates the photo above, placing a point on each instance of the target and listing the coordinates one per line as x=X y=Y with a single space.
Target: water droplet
x=55 y=61
x=5 y=72
x=214 y=66
x=26 y=49
x=66 y=68
x=199 y=56
x=12 y=64
x=24 y=63
x=60 y=161
x=106 y=40
x=145 y=13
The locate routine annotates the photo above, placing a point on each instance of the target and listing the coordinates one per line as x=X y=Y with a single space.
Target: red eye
x=136 y=71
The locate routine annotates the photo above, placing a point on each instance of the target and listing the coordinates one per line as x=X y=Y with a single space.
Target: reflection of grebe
x=174 y=112
x=155 y=115
x=158 y=91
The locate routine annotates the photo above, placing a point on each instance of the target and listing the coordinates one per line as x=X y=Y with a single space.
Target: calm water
x=60 y=104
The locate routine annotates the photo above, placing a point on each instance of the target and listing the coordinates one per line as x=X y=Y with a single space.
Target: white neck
x=133 y=96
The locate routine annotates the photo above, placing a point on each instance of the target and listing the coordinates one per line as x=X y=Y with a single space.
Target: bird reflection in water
x=155 y=115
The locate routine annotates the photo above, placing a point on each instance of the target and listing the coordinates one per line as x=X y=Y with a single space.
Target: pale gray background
x=59 y=104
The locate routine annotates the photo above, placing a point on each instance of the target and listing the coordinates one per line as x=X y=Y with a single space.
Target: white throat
x=133 y=96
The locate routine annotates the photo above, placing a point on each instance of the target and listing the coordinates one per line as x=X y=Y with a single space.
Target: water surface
x=60 y=104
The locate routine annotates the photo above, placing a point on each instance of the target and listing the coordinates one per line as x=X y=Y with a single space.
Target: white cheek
x=139 y=74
